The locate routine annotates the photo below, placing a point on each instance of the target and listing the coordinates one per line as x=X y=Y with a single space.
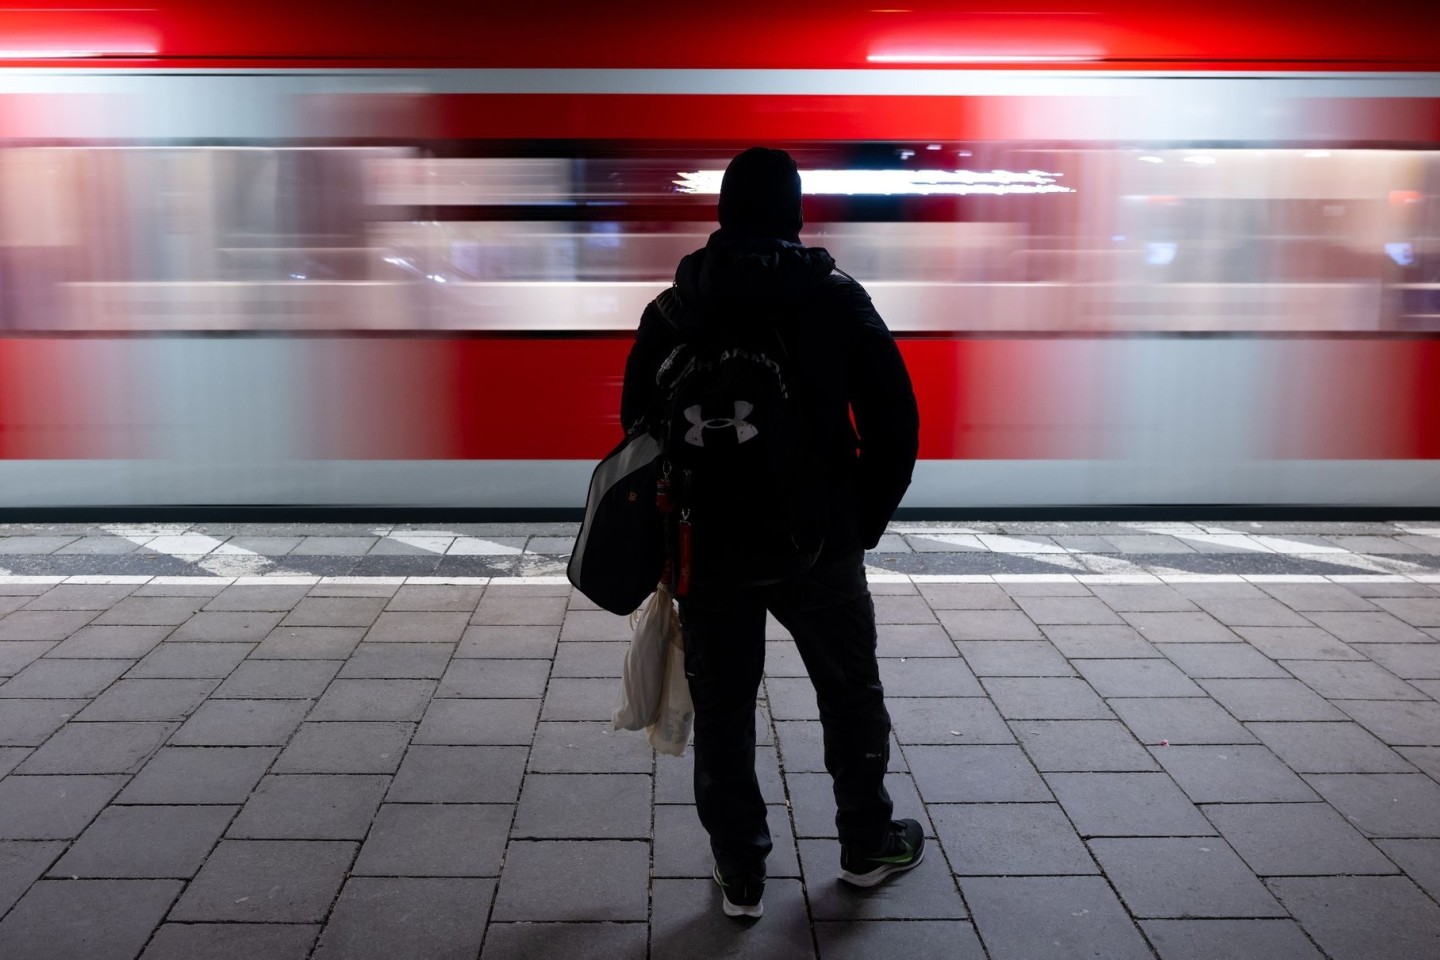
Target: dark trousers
x=832 y=618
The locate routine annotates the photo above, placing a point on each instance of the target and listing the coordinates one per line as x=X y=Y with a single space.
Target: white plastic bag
x=654 y=694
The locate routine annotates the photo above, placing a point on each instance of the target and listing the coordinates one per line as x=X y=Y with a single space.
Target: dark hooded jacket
x=845 y=356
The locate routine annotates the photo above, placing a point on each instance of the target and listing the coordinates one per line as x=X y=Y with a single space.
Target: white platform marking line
x=427 y=542
x=1238 y=542
x=999 y=543
x=480 y=547
x=1283 y=545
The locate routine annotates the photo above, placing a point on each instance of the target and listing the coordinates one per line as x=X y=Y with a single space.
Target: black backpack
x=740 y=451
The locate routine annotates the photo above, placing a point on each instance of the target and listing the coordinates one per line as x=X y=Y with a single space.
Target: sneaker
x=904 y=848
x=742 y=894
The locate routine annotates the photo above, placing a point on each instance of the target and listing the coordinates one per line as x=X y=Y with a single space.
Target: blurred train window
x=335 y=238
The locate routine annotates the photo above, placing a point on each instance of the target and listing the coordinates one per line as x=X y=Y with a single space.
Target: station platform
x=1178 y=741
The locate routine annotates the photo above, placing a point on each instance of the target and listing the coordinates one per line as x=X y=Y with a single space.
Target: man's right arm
x=653 y=342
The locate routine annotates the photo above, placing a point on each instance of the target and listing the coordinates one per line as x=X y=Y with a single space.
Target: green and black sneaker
x=904 y=848
x=742 y=894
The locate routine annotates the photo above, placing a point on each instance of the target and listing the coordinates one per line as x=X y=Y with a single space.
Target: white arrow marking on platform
x=430 y=543
x=190 y=547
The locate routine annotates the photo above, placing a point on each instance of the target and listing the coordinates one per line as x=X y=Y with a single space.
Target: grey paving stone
x=1232 y=774
x=94 y=919
x=1409 y=661
x=1341 y=680
x=1369 y=628
x=1292 y=839
x=675 y=777
x=1431 y=687
x=1316 y=597
x=1426 y=758
x=191 y=586
x=580 y=698
x=227 y=627
x=84 y=596
x=1271 y=700
x=1142 y=598
x=1225 y=660
x=989 y=625
x=1067 y=610
x=812 y=803
x=1384 y=804
x=241 y=723
x=1416 y=611
x=373 y=700
x=1009 y=838
x=22 y=862
x=791 y=698
x=277 y=597
x=498 y=609
x=382 y=589
x=232 y=941
x=82 y=748
x=688 y=922
x=926 y=892
x=1180 y=628
x=397 y=661
x=459 y=775
x=267 y=881
x=145 y=843
x=494 y=678
x=975 y=774
x=1189 y=720
x=1363 y=918
x=148 y=700
x=335 y=612
x=110 y=643
x=565 y=747
x=1203 y=592
x=903 y=609
x=417 y=627
x=1420 y=859
x=561 y=806
x=1014 y=658
x=151 y=611
x=479 y=723
x=335 y=546
x=180 y=661
x=278 y=680
x=1137 y=678
x=578 y=880
x=1249 y=612
x=301 y=807
x=523 y=642
x=1229 y=940
x=10 y=758
x=436 y=840
x=1052 y=918
x=1183 y=877
x=43 y=624
x=16 y=655
x=916 y=939
x=443 y=919
x=309 y=643
x=1397 y=722
x=1045 y=698
x=928 y=677
x=100 y=546
x=1044 y=588
x=583 y=659
x=1148 y=543
x=945 y=720
x=63 y=679
x=194 y=775
x=1102 y=642
x=682 y=848
x=1082 y=745
x=1298 y=643
x=437 y=598
x=965 y=596
x=782 y=659
x=53 y=807
x=913 y=640
x=582 y=941
x=1127 y=805
x=349 y=747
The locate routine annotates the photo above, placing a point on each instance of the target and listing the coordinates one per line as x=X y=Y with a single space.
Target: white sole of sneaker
x=735 y=910
x=875 y=876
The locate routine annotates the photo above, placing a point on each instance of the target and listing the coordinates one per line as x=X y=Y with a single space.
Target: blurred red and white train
x=357 y=254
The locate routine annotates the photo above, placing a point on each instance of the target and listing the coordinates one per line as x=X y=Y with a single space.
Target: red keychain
x=682 y=576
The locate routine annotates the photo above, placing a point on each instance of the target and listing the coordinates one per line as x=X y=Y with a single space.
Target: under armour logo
x=744 y=430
